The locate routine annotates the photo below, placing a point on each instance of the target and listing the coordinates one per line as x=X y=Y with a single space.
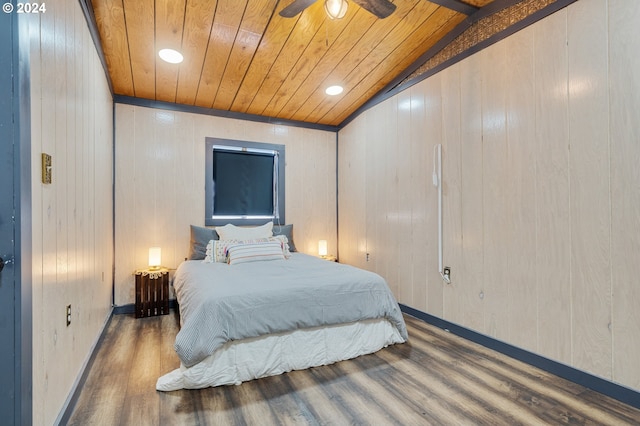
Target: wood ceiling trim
x=193 y=109
x=140 y=16
x=169 y=24
x=109 y=16
x=257 y=17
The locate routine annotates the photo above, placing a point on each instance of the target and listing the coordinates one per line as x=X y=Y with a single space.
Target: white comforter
x=221 y=303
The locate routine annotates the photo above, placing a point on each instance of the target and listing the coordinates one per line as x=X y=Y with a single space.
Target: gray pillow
x=200 y=237
x=287 y=231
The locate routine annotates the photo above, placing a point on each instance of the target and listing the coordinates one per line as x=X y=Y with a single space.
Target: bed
x=242 y=321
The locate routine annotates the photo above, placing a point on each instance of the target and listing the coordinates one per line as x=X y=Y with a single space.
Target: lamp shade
x=336 y=9
x=322 y=247
x=155 y=257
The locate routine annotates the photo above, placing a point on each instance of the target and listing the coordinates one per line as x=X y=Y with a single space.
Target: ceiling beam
x=457 y=5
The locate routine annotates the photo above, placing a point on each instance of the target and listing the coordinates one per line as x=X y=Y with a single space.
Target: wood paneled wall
x=541 y=190
x=71 y=120
x=160 y=183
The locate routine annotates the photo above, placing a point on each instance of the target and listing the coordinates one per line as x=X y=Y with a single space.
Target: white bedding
x=303 y=303
x=240 y=361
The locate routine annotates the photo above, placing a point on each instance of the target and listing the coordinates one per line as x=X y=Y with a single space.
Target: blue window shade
x=243 y=183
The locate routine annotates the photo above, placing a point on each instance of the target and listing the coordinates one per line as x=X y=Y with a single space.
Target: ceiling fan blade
x=296 y=7
x=380 y=8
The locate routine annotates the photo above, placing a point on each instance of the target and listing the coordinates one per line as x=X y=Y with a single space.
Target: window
x=244 y=182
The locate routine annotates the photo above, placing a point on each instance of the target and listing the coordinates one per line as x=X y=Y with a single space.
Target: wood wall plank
x=404 y=257
x=432 y=90
x=521 y=192
x=624 y=84
x=472 y=211
x=352 y=197
x=420 y=186
x=451 y=192
x=495 y=202
x=553 y=231
x=590 y=185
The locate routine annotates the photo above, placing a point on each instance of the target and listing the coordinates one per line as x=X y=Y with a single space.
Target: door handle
x=4 y=262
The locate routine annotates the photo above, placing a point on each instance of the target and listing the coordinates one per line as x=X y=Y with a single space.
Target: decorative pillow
x=200 y=237
x=232 y=232
x=283 y=243
x=217 y=250
x=255 y=252
x=287 y=231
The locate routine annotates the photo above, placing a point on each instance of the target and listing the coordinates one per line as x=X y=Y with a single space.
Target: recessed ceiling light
x=334 y=90
x=171 y=56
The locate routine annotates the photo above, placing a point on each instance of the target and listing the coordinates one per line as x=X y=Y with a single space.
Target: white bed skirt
x=248 y=359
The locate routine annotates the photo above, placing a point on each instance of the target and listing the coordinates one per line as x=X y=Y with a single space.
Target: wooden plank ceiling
x=242 y=56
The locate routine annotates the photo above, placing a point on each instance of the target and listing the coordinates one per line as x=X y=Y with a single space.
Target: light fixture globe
x=336 y=9
x=171 y=56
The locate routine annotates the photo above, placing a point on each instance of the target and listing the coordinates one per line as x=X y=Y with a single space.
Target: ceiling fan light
x=171 y=56
x=336 y=9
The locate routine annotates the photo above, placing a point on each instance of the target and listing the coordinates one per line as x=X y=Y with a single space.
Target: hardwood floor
x=435 y=379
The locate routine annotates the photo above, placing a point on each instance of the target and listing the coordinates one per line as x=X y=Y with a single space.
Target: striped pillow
x=253 y=252
x=217 y=250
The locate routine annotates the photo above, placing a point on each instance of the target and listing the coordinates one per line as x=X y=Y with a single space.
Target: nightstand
x=152 y=292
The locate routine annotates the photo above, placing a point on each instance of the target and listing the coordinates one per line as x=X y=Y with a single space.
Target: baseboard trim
x=130 y=308
x=74 y=394
x=598 y=384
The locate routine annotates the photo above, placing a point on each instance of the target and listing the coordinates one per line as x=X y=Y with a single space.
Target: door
x=15 y=347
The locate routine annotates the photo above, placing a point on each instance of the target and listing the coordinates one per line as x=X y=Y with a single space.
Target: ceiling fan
x=337 y=8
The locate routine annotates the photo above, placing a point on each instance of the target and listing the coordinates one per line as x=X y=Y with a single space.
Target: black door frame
x=16 y=395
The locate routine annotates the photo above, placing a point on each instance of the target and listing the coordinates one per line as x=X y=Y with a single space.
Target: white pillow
x=254 y=252
x=232 y=232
